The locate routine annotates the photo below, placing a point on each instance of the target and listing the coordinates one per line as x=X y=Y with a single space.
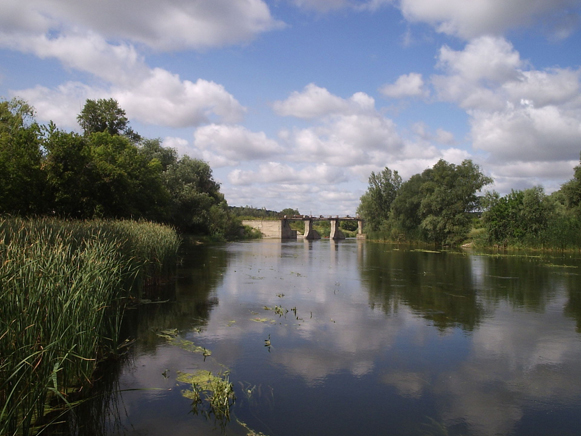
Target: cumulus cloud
x=527 y=133
x=168 y=25
x=485 y=17
x=517 y=113
x=88 y=52
x=317 y=102
x=161 y=98
x=164 y=99
x=275 y=172
x=228 y=145
x=347 y=140
x=407 y=85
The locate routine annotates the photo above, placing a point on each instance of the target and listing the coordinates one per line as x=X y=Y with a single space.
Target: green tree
x=193 y=191
x=501 y=217
x=105 y=115
x=405 y=220
x=289 y=212
x=572 y=191
x=22 y=181
x=126 y=184
x=152 y=149
x=69 y=173
x=526 y=217
x=375 y=204
x=449 y=196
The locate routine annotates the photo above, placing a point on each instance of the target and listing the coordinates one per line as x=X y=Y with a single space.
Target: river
x=353 y=338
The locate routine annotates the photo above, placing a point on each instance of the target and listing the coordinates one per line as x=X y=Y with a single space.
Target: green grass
x=63 y=287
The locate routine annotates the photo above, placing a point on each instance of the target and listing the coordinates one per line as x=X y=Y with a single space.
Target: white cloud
x=527 y=133
x=316 y=102
x=60 y=105
x=516 y=113
x=227 y=145
x=181 y=145
x=89 y=52
x=275 y=172
x=484 y=17
x=161 y=98
x=164 y=99
x=407 y=85
x=168 y=25
x=347 y=140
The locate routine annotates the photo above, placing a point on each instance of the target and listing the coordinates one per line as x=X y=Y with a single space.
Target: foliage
x=376 y=203
x=448 y=197
x=571 y=192
x=289 y=212
x=434 y=206
x=22 y=180
x=105 y=115
x=108 y=172
x=530 y=218
x=250 y=212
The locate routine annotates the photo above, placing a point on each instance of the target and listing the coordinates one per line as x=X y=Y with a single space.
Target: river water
x=355 y=338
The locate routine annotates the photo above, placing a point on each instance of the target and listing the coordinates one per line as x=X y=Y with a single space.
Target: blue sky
x=294 y=102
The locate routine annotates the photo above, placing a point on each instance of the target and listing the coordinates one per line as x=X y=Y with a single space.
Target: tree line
x=443 y=205
x=107 y=171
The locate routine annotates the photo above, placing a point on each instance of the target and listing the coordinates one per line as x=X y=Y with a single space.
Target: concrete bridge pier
x=336 y=232
x=310 y=233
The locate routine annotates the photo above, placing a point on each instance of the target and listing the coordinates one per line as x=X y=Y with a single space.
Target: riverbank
x=63 y=289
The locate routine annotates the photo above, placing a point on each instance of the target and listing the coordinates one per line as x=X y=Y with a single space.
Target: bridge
x=280 y=229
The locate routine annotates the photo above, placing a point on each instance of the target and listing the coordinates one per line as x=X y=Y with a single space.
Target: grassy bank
x=63 y=287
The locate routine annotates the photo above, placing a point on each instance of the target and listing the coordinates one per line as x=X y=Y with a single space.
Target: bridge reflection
x=280 y=229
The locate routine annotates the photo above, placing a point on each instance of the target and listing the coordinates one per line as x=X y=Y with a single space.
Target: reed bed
x=63 y=287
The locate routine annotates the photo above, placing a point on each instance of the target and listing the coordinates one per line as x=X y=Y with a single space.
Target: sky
x=294 y=103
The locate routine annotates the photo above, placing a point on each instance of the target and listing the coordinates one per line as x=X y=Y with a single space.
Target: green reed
x=63 y=286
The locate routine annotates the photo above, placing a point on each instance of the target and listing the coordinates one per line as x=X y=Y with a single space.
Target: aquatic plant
x=63 y=287
x=210 y=394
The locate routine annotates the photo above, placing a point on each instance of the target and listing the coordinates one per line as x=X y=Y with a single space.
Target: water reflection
x=438 y=286
x=367 y=339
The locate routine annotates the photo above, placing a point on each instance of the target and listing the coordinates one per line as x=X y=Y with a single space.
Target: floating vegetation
x=172 y=337
x=419 y=250
x=250 y=432
x=263 y=320
x=210 y=394
x=279 y=310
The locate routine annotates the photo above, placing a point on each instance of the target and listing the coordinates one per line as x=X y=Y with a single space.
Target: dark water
x=376 y=341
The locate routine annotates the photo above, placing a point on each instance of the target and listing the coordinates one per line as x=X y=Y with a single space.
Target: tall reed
x=62 y=288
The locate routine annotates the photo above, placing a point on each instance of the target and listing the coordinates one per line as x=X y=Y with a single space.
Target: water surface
x=377 y=340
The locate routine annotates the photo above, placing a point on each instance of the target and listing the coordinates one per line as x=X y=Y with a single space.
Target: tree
x=69 y=174
x=572 y=191
x=105 y=116
x=193 y=191
x=289 y=212
x=405 y=220
x=21 y=177
x=376 y=203
x=125 y=183
x=501 y=217
x=449 y=195
x=152 y=149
